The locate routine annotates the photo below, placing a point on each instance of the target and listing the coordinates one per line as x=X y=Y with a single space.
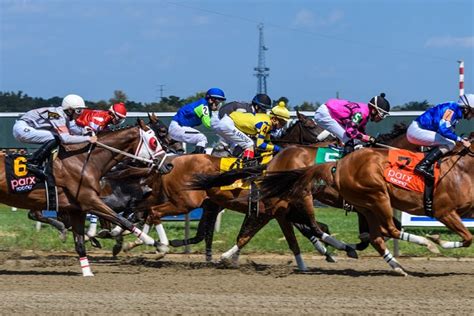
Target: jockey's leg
x=188 y=135
x=423 y=137
x=323 y=118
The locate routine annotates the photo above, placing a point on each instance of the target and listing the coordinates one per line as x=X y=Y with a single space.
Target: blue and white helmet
x=466 y=101
x=215 y=93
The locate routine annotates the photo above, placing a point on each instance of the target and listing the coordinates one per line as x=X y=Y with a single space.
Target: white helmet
x=467 y=101
x=72 y=102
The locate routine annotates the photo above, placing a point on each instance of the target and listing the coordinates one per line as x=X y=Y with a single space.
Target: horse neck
x=125 y=140
x=402 y=142
x=297 y=134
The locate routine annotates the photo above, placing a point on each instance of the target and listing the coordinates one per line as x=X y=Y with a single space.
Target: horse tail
x=288 y=184
x=207 y=181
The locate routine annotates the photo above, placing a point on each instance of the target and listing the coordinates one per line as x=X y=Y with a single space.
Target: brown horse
x=359 y=178
x=77 y=172
x=171 y=197
x=292 y=158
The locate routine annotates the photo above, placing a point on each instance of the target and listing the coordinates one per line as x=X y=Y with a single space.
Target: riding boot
x=199 y=150
x=35 y=162
x=424 y=166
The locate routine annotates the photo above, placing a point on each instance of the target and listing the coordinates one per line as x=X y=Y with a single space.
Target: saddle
x=400 y=172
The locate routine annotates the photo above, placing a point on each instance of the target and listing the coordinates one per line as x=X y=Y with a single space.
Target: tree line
x=22 y=102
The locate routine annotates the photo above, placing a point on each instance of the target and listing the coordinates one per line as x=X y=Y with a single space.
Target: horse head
x=161 y=131
x=303 y=130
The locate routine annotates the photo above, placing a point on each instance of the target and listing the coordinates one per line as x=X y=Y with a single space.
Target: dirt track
x=181 y=284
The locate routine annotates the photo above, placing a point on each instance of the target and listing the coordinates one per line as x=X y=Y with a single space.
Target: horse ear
x=300 y=116
x=141 y=123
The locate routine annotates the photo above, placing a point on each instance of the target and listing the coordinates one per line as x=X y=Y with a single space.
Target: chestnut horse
x=77 y=172
x=359 y=179
x=292 y=158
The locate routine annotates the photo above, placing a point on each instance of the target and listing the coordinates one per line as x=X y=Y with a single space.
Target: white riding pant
x=226 y=129
x=187 y=134
x=323 y=118
x=423 y=137
x=26 y=134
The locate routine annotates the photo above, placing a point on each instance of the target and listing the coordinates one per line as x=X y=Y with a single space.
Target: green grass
x=17 y=232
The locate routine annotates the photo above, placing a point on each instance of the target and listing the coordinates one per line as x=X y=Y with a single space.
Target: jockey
x=49 y=126
x=435 y=128
x=347 y=120
x=225 y=127
x=195 y=114
x=260 y=125
x=98 y=120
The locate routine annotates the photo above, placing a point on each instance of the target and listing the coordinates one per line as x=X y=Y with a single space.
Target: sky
x=316 y=49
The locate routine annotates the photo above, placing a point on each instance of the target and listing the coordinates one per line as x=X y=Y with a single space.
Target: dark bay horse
x=77 y=172
x=359 y=179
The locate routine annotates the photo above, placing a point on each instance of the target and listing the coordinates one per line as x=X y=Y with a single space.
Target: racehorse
x=77 y=171
x=172 y=197
x=292 y=158
x=359 y=179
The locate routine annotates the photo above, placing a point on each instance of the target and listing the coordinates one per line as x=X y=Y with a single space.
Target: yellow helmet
x=280 y=111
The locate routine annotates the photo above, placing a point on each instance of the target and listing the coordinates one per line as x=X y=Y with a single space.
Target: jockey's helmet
x=467 y=101
x=119 y=111
x=381 y=105
x=73 y=102
x=262 y=101
x=215 y=93
x=280 y=111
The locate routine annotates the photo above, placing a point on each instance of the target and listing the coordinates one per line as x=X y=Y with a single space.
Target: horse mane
x=398 y=129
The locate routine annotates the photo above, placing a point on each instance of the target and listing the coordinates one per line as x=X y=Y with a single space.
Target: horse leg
x=377 y=240
x=454 y=223
x=36 y=216
x=316 y=231
x=78 y=222
x=251 y=225
x=289 y=233
x=305 y=230
x=97 y=207
x=205 y=229
x=137 y=242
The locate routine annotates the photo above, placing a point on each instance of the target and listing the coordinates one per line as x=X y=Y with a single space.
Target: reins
x=118 y=151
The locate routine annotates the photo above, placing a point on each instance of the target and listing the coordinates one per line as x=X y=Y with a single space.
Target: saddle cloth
x=19 y=179
x=400 y=170
x=230 y=163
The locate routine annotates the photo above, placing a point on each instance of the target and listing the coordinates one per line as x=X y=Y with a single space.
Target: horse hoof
x=351 y=253
x=162 y=248
x=159 y=255
x=95 y=243
x=400 y=271
x=330 y=258
x=432 y=244
x=104 y=233
x=434 y=238
x=63 y=235
x=208 y=258
x=116 y=250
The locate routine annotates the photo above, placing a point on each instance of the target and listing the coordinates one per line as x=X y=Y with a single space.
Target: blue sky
x=407 y=49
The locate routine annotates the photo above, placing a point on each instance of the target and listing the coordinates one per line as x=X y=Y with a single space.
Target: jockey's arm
x=353 y=128
x=66 y=137
x=263 y=138
x=446 y=128
x=203 y=113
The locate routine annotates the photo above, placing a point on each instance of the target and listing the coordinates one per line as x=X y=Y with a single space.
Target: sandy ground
x=51 y=283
